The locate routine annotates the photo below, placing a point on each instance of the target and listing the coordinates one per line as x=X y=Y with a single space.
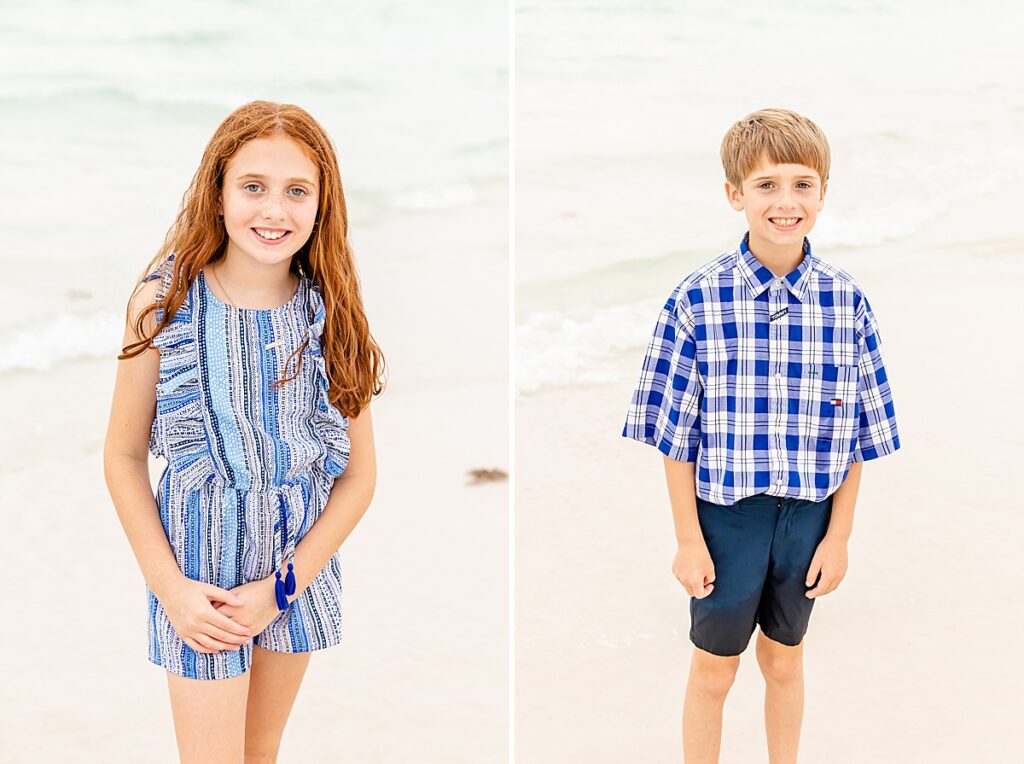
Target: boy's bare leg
x=711 y=676
x=783 y=670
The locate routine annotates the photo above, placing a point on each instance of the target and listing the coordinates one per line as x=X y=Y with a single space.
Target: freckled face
x=269 y=199
x=781 y=202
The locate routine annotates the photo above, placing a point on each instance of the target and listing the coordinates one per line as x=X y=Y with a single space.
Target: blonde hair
x=780 y=135
x=355 y=364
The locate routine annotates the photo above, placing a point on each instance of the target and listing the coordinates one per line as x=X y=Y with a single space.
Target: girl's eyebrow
x=258 y=176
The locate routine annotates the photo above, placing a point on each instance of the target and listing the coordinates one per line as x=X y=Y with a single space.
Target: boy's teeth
x=784 y=221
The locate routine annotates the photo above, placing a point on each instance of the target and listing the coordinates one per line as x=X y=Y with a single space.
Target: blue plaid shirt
x=772 y=385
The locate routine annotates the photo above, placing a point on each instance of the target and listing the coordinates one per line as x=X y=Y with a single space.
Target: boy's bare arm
x=830 y=559
x=692 y=565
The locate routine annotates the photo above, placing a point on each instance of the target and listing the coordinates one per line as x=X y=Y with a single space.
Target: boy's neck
x=781 y=261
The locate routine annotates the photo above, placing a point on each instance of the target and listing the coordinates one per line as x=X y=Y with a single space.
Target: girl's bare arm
x=125 y=460
x=126 y=452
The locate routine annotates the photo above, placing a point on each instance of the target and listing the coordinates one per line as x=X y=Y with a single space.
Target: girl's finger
x=214 y=644
x=225 y=636
x=195 y=645
x=216 y=594
x=220 y=621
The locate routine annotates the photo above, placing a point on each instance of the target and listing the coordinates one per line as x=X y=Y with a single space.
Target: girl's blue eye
x=248 y=186
x=301 y=191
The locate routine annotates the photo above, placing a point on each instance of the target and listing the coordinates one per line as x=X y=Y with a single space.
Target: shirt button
x=778 y=375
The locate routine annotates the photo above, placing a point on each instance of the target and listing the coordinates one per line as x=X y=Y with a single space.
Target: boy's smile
x=781 y=203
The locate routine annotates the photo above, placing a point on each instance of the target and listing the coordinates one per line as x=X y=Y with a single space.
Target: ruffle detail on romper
x=329 y=424
x=179 y=429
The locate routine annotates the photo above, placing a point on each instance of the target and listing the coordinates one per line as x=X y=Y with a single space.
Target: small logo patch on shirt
x=836 y=401
x=779 y=314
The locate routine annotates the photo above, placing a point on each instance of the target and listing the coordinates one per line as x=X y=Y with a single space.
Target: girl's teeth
x=271 y=234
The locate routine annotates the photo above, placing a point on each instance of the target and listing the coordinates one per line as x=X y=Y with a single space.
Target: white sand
x=421 y=675
x=914 y=658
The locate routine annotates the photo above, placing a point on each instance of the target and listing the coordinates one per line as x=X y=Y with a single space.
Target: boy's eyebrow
x=258 y=176
x=797 y=177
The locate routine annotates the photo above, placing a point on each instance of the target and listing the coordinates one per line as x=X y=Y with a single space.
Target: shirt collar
x=758 y=277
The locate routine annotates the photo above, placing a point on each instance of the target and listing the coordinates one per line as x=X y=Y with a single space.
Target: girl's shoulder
x=154 y=289
x=160 y=276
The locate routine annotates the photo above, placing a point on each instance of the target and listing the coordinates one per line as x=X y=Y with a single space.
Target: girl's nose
x=274 y=207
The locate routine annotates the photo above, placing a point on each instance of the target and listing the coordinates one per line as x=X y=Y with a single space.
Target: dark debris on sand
x=480 y=476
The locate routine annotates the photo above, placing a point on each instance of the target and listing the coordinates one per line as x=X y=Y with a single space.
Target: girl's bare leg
x=783 y=670
x=711 y=676
x=275 y=682
x=209 y=718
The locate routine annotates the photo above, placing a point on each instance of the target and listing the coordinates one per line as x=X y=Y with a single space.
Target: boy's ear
x=821 y=199
x=734 y=195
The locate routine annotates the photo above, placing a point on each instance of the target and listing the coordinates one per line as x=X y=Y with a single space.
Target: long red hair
x=354 y=361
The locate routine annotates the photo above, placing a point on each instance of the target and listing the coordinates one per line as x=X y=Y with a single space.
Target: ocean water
x=621 y=108
x=105 y=108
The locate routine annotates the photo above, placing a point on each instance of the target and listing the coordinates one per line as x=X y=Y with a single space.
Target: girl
x=247 y=363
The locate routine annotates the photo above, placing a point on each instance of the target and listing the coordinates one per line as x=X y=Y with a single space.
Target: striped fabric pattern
x=771 y=385
x=249 y=468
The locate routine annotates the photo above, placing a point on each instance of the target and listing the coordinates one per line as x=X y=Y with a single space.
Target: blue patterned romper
x=249 y=468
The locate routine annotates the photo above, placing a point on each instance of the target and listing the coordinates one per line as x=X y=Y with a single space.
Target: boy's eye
x=804 y=184
x=766 y=184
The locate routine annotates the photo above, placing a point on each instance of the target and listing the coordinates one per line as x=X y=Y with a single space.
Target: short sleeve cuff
x=867 y=453
x=686 y=452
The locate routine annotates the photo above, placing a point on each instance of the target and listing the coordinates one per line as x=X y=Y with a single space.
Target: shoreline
x=608 y=623
x=424 y=632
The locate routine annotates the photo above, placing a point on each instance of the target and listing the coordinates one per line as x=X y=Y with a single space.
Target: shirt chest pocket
x=830 y=401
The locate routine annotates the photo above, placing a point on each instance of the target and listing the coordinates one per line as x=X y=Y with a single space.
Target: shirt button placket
x=777 y=404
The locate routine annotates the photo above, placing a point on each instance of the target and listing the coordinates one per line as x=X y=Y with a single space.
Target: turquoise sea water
x=621 y=108
x=105 y=108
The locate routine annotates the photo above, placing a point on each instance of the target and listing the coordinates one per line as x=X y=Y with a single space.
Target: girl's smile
x=271 y=236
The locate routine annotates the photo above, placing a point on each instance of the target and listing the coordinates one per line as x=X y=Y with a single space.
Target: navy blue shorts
x=761 y=547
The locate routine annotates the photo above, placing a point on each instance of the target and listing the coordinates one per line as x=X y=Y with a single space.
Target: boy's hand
x=694 y=568
x=829 y=562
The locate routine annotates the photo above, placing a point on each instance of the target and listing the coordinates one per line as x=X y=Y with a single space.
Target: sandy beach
x=422 y=673
x=913 y=658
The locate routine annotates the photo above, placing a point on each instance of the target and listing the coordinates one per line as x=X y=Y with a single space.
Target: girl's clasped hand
x=190 y=609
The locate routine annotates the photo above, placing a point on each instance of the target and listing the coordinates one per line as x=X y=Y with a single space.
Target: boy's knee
x=780 y=665
x=713 y=674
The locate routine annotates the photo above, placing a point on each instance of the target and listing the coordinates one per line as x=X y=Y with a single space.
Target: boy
x=765 y=389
